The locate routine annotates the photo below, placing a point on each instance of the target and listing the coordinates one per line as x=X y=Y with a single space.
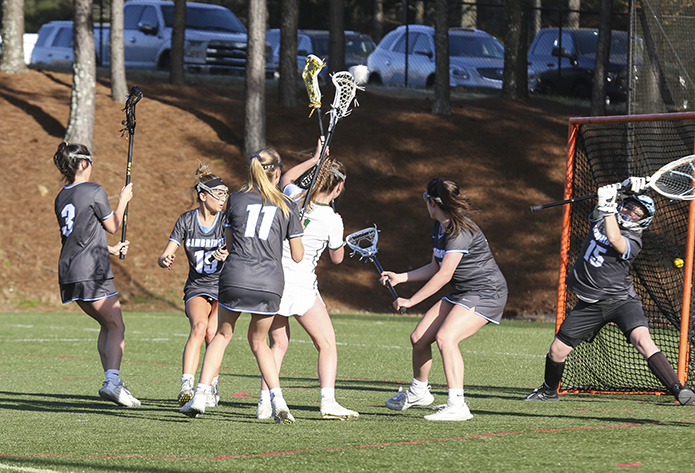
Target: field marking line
x=25 y=469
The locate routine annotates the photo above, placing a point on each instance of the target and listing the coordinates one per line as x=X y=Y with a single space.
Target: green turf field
x=51 y=418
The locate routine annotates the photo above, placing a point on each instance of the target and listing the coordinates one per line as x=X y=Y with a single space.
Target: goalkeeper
x=601 y=280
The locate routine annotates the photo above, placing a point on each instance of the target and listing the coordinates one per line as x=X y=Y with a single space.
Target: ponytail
x=67 y=159
x=261 y=168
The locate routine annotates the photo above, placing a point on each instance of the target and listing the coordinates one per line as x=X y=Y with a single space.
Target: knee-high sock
x=553 y=373
x=662 y=369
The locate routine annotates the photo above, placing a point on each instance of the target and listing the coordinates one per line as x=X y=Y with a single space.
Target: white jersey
x=322 y=228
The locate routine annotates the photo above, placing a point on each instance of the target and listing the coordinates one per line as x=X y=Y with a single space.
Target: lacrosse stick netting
x=345 y=90
x=312 y=67
x=364 y=243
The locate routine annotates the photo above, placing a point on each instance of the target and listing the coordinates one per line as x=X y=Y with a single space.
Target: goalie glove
x=633 y=185
x=608 y=199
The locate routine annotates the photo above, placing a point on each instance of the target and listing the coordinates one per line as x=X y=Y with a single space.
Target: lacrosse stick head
x=363 y=242
x=676 y=180
x=345 y=90
x=312 y=67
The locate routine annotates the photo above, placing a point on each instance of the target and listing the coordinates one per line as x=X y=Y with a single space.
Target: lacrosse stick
x=312 y=67
x=363 y=243
x=129 y=124
x=345 y=89
x=675 y=181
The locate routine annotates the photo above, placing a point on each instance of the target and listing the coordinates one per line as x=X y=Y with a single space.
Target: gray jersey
x=477 y=272
x=200 y=242
x=600 y=271
x=255 y=251
x=80 y=209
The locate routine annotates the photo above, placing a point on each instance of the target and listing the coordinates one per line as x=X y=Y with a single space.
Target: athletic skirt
x=249 y=300
x=297 y=300
x=487 y=307
x=87 y=290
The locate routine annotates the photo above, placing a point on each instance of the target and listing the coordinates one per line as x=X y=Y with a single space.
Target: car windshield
x=358 y=46
x=587 y=42
x=475 y=46
x=205 y=19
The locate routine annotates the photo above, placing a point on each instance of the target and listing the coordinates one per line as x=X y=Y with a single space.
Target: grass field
x=51 y=418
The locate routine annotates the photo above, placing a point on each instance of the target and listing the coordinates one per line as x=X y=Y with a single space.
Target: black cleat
x=543 y=394
x=686 y=397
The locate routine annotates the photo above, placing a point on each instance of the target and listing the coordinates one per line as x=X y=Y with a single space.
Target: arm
x=437 y=281
x=113 y=223
x=118 y=248
x=293 y=173
x=167 y=257
x=607 y=207
x=618 y=241
x=421 y=274
x=337 y=255
x=296 y=249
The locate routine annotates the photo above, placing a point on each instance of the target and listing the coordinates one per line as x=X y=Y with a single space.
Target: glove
x=633 y=185
x=608 y=199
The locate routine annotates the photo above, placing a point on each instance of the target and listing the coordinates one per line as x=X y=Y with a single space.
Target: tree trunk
x=442 y=94
x=254 y=96
x=573 y=17
x=336 y=35
x=536 y=18
x=603 y=48
x=419 y=12
x=178 y=38
x=12 y=32
x=119 y=86
x=515 y=79
x=469 y=15
x=288 y=83
x=378 y=20
x=81 y=121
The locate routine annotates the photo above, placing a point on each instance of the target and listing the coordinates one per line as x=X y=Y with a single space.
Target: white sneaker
x=281 y=412
x=118 y=393
x=330 y=409
x=264 y=410
x=447 y=412
x=195 y=406
x=405 y=399
x=186 y=393
x=212 y=398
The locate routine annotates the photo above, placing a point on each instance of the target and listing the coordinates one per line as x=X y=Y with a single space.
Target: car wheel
x=430 y=82
x=375 y=79
x=164 y=62
x=582 y=91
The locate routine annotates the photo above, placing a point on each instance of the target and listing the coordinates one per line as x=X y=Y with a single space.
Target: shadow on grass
x=42 y=463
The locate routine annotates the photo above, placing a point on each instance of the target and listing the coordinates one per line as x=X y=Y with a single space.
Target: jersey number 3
x=68 y=213
x=255 y=211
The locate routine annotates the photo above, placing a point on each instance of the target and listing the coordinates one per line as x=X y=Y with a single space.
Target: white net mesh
x=345 y=89
x=678 y=180
x=363 y=242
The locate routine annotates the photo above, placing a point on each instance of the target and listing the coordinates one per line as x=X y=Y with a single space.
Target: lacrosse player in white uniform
x=463 y=258
x=323 y=228
x=258 y=218
x=84 y=270
x=201 y=232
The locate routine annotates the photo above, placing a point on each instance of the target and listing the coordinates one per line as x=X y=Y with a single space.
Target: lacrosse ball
x=678 y=263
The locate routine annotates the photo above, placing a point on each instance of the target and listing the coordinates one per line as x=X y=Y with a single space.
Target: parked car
x=272 y=38
x=215 y=38
x=476 y=58
x=29 y=40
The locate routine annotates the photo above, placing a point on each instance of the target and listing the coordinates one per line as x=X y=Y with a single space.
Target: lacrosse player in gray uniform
x=323 y=228
x=258 y=219
x=201 y=232
x=601 y=280
x=463 y=258
x=84 y=270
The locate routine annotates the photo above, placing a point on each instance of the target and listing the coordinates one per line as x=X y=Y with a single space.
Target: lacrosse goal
x=604 y=150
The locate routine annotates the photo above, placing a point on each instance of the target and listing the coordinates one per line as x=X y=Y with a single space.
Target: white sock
x=265 y=396
x=418 y=387
x=187 y=377
x=455 y=397
x=327 y=393
x=112 y=375
x=215 y=380
x=202 y=388
x=276 y=392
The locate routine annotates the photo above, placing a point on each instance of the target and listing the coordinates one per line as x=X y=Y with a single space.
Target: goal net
x=605 y=150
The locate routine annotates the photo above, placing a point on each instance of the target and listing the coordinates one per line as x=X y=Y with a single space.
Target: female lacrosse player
x=601 y=280
x=323 y=227
x=201 y=231
x=461 y=256
x=258 y=218
x=84 y=271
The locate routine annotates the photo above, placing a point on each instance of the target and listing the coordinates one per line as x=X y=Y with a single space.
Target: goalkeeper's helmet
x=627 y=219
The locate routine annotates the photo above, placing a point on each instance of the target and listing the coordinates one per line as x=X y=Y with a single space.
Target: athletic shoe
x=195 y=406
x=281 y=412
x=447 y=412
x=330 y=409
x=542 y=394
x=686 y=397
x=405 y=399
x=212 y=398
x=186 y=393
x=264 y=410
x=118 y=393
